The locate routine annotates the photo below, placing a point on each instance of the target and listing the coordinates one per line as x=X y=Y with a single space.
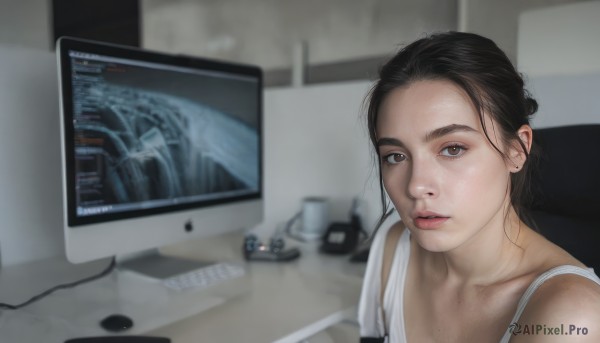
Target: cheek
x=476 y=181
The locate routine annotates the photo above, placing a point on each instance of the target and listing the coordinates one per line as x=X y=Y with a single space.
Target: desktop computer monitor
x=156 y=148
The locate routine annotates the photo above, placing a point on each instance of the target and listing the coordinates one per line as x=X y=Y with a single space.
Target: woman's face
x=444 y=177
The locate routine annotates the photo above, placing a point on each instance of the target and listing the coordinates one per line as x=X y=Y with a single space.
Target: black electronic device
x=255 y=250
x=340 y=238
x=119 y=339
x=360 y=255
x=107 y=21
x=157 y=148
x=343 y=238
x=116 y=323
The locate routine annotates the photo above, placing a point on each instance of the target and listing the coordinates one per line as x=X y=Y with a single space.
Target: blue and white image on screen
x=138 y=148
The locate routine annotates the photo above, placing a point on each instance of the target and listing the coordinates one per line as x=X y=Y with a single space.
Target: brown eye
x=453 y=151
x=394 y=158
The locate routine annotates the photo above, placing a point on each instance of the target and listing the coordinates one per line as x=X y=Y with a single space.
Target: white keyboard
x=205 y=277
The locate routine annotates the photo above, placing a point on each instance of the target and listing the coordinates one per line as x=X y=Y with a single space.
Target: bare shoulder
x=391 y=242
x=391 y=239
x=566 y=308
x=547 y=254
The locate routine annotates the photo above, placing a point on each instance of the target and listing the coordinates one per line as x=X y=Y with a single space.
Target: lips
x=427 y=220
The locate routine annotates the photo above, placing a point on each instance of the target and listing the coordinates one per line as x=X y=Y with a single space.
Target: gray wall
x=264 y=31
x=499 y=19
x=25 y=23
x=30 y=194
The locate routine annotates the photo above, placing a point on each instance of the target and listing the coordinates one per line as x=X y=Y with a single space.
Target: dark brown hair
x=476 y=65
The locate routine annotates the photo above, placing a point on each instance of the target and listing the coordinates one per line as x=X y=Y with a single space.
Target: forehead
x=425 y=105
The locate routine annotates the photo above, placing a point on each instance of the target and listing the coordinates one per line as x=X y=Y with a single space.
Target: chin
x=434 y=241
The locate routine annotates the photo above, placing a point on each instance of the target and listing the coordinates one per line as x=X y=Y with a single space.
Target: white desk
x=274 y=302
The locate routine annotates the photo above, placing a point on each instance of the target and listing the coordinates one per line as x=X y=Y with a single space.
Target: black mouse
x=116 y=323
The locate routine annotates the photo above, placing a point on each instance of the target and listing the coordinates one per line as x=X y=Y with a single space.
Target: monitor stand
x=153 y=264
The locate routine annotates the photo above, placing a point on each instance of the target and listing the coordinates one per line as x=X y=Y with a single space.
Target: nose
x=422 y=180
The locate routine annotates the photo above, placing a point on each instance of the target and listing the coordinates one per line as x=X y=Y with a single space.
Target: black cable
x=35 y=298
x=290 y=233
x=288 y=228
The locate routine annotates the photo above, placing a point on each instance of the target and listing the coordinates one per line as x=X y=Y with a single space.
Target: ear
x=516 y=153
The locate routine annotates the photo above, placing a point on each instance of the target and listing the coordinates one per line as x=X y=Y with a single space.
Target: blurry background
x=315 y=138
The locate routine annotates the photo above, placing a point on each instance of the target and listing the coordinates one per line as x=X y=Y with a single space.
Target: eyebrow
x=435 y=134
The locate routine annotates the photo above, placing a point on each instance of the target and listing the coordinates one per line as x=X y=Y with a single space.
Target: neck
x=489 y=256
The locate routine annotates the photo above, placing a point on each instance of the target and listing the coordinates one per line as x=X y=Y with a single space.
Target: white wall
x=559 y=53
x=30 y=198
x=316 y=144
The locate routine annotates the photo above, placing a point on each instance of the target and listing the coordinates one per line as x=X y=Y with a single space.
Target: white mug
x=315 y=217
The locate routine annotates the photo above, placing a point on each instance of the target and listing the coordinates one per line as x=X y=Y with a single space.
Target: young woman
x=449 y=121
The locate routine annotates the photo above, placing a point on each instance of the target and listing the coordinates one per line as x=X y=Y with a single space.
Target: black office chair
x=566 y=189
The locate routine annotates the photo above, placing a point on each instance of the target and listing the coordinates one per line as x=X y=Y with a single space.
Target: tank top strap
x=560 y=270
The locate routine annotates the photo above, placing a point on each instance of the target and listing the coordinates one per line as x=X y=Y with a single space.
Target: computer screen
x=156 y=147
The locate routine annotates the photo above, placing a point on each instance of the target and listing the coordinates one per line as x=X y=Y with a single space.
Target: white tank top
x=370 y=315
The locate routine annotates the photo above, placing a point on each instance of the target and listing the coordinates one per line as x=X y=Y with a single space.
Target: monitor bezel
x=67 y=44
